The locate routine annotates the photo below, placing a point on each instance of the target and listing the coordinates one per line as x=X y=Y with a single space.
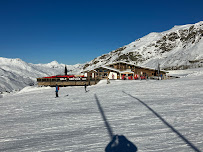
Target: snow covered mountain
x=178 y=48
x=15 y=74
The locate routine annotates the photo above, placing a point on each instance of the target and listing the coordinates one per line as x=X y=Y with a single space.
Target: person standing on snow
x=85 y=87
x=108 y=81
x=57 y=90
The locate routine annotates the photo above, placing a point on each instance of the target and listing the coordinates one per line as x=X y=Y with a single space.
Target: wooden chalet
x=124 y=70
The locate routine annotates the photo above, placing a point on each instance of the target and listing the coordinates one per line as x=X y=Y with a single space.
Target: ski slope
x=156 y=116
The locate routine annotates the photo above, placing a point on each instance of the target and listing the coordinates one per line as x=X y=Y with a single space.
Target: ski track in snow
x=34 y=120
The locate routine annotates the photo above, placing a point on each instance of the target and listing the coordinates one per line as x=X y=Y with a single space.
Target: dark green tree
x=66 y=71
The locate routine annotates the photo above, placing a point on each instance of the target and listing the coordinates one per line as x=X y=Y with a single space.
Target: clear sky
x=77 y=31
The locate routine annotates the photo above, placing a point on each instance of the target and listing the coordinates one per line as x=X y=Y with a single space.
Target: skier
x=108 y=81
x=85 y=87
x=57 y=90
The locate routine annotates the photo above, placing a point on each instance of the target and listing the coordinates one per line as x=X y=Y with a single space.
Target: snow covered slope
x=34 y=120
x=178 y=48
x=15 y=74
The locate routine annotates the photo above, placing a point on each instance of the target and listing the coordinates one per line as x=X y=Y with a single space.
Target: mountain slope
x=178 y=48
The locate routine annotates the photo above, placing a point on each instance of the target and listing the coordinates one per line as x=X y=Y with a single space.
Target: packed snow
x=154 y=115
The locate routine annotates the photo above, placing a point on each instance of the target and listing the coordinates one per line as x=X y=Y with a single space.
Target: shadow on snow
x=167 y=124
x=118 y=143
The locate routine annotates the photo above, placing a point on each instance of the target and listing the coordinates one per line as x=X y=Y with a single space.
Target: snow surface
x=34 y=120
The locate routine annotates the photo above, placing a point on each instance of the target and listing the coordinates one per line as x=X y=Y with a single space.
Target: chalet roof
x=105 y=67
x=122 y=62
x=110 y=68
x=89 y=70
x=127 y=71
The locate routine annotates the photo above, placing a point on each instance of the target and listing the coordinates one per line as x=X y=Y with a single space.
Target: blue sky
x=77 y=31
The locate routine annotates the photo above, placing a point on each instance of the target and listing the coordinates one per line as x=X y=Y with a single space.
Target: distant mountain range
x=15 y=74
x=178 y=48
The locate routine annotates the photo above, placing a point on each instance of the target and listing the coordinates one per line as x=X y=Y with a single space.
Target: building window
x=105 y=74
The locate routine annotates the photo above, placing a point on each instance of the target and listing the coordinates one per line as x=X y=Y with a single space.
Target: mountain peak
x=53 y=64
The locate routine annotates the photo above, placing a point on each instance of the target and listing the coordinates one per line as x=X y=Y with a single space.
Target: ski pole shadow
x=167 y=124
x=118 y=143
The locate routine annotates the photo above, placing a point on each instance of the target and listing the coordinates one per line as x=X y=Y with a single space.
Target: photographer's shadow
x=120 y=143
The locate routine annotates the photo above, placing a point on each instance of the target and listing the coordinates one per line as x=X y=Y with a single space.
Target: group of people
x=136 y=77
x=57 y=89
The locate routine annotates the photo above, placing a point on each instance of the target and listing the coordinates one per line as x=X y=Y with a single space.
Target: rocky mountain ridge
x=178 y=48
